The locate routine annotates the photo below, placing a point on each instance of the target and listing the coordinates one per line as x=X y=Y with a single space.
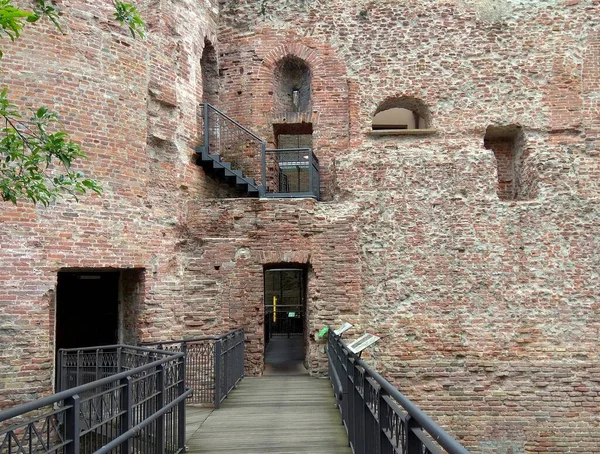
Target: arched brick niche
x=291 y=87
x=401 y=115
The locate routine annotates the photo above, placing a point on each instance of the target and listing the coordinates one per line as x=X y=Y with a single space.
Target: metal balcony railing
x=126 y=399
x=290 y=172
x=214 y=364
x=378 y=418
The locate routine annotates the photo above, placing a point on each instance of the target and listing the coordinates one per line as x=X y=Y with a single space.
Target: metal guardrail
x=222 y=135
x=378 y=418
x=215 y=364
x=138 y=410
x=79 y=366
x=290 y=172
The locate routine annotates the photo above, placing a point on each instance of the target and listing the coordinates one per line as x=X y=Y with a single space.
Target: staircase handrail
x=228 y=118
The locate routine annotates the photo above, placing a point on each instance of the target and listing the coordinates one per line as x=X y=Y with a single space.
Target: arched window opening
x=210 y=74
x=403 y=113
x=292 y=86
x=507 y=144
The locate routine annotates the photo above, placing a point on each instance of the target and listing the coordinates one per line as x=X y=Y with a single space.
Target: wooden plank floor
x=279 y=414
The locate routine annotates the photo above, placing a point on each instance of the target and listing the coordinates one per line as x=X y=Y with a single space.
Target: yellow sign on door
x=274 y=309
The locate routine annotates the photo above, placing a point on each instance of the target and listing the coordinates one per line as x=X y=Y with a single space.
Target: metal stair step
x=213 y=163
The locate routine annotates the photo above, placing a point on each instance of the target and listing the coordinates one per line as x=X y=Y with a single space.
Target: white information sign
x=362 y=342
x=345 y=327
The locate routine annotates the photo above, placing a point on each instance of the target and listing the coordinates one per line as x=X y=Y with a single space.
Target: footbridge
x=191 y=396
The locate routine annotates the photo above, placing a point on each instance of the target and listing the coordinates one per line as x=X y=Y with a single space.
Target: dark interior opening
x=87 y=309
x=285 y=320
x=210 y=74
x=292 y=129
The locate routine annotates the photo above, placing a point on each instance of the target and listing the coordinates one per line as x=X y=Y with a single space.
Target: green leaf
x=126 y=13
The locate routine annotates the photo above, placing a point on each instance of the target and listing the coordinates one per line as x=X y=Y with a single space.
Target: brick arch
x=308 y=55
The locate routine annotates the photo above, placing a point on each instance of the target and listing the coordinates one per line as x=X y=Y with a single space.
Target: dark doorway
x=285 y=311
x=87 y=309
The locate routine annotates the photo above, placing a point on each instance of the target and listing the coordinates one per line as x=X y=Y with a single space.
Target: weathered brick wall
x=132 y=106
x=488 y=308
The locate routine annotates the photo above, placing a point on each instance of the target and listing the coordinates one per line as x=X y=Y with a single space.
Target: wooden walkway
x=277 y=414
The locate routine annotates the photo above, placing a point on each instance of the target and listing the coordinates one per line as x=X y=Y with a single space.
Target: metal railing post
x=263 y=167
x=98 y=364
x=206 y=125
x=160 y=403
x=382 y=423
x=218 y=373
x=126 y=419
x=72 y=428
x=78 y=370
x=311 y=172
x=62 y=374
x=413 y=444
x=181 y=407
x=118 y=359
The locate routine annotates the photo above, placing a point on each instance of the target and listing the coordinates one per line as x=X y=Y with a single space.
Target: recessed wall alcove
x=403 y=115
x=507 y=144
x=291 y=86
x=210 y=74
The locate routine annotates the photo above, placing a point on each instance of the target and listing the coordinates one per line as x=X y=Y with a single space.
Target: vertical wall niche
x=210 y=74
x=507 y=144
x=292 y=86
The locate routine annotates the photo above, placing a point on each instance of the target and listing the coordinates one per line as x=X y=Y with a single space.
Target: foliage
x=29 y=149
x=126 y=13
x=36 y=154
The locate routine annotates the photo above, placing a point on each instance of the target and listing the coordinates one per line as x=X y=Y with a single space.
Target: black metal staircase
x=222 y=170
x=284 y=173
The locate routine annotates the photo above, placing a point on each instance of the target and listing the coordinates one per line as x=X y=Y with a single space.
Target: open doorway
x=87 y=309
x=98 y=307
x=285 y=320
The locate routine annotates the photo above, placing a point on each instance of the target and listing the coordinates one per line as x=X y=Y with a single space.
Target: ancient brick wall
x=488 y=307
x=132 y=104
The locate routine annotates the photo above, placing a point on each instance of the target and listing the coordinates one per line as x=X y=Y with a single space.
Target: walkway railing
x=138 y=410
x=215 y=364
x=379 y=419
x=79 y=366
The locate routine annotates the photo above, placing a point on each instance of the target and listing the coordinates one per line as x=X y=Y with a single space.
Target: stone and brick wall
x=488 y=309
x=132 y=104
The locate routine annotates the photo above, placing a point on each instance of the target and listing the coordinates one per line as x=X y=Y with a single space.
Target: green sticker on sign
x=291 y=314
